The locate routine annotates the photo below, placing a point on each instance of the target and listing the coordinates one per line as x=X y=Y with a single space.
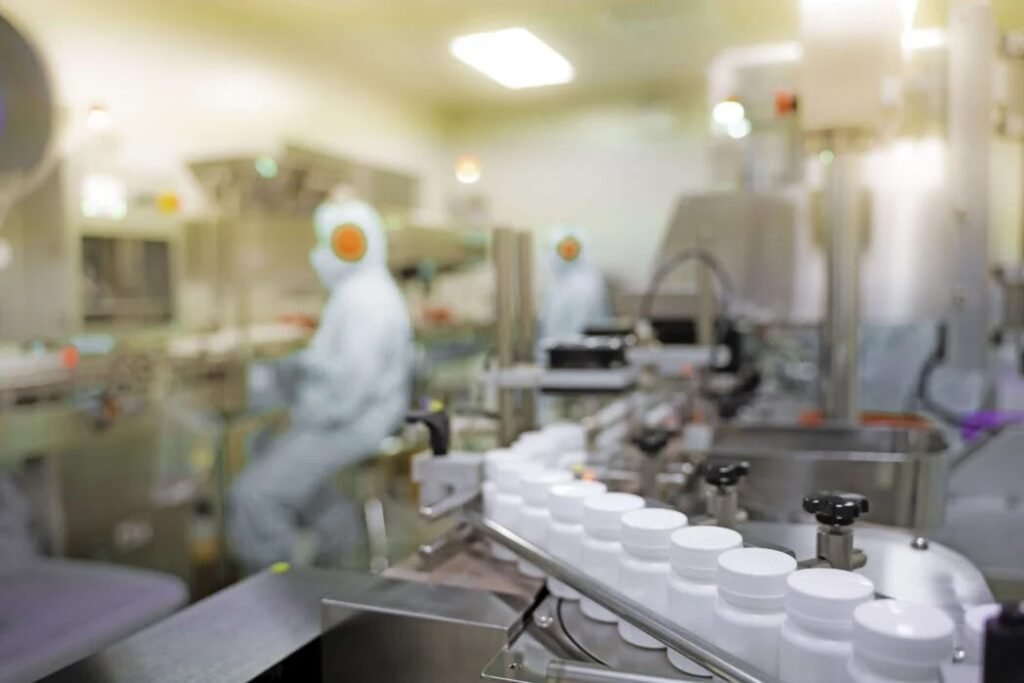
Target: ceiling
x=619 y=47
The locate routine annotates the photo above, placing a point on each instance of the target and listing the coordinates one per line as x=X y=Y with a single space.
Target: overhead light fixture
x=513 y=57
x=467 y=169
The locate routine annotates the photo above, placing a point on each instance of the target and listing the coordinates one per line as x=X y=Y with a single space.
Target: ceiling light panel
x=513 y=57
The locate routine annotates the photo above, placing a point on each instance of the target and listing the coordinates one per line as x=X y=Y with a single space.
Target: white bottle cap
x=902 y=633
x=535 y=444
x=566 y=436
x=566 y=500
x=494 y=458
x=646 y=532
x=975 y=619
x=602 y=514
x=754 y=577
x=510 y=474
x=824 y=598
x=536 y=485
x=695 y=549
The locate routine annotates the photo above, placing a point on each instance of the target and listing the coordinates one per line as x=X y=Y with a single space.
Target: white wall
x=176 y=96
x=613 y=170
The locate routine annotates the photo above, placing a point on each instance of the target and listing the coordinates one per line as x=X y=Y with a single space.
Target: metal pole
x=839 y=343
x=505 y=253
x=527 y=318
x=706 y=654
x=971 y=51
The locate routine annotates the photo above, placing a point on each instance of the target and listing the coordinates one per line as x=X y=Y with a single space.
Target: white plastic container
x=508 y=504
x=602 y=549
x=816 y=638
x=751 y=601
x=534 y=517
x=489 y=492
x=565 y=528
x=692 y=591
x=644 y=567
x=899 y=642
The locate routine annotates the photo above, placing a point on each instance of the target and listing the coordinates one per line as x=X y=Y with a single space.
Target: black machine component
x=588 y=353
x=835 y=508
x=651 y=440
x=1004 y=640
x=722 y=474
x=438 y=424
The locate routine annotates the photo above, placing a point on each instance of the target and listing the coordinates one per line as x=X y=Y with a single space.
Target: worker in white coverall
x=347 y=391
x=576 y=295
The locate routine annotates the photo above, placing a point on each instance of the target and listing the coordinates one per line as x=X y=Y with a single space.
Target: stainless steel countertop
x=230 y=637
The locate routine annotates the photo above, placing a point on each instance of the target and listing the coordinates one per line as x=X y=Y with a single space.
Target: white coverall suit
x=347 y=391
x=576 y=295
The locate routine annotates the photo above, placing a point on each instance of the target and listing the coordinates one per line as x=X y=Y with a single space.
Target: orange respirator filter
x=348 y=242
x=569 y=248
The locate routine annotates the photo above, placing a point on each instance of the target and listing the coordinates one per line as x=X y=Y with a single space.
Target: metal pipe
x=505 y=253
x=706 y=654
x=526 y=318
x=843 y=230
x=561 y=671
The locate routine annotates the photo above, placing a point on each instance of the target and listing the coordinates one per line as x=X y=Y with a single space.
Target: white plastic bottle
x=602 y=549
x=533 y=521
x=816 y=638
x=489 y=491
x=565 y=528
x=749 y=610
x=644 y=567
x=692 y=591
x=899 y=642
x=508 y=504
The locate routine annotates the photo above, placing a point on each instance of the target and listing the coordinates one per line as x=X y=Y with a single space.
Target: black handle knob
x=836 y=508
x=725 y=474
x=437 y=423
x=1004 y=637
x=651 y=440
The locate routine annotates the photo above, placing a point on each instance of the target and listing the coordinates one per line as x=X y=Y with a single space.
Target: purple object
x=984 y=421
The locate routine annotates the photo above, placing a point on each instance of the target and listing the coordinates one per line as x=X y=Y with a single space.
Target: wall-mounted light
x=739 y=129
x=467 y=169
x=513 y=57
x=104 y=196
x=266 y=167
x=728 y=112
x=98 y=118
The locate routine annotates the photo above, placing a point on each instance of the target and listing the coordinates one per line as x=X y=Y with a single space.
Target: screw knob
x=725 y=474
x=836 y=508
x=651 y=440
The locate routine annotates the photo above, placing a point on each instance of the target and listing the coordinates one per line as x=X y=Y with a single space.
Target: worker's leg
x=337 y=524
x=274 y=493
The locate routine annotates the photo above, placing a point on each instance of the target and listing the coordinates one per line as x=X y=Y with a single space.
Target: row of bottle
x=807 y=625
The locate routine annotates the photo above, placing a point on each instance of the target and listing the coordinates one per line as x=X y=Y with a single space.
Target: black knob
x=836 y=508
x=437 y=424
x=725 y=474
x=1004 y=638
x=651 y=440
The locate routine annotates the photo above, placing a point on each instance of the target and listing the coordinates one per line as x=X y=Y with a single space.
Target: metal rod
x=561 y=671
x=505 y=253
x=843 y=230
x=706 y=654
x=526 y=318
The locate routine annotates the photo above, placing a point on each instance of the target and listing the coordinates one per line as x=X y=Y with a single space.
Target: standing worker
x=347 y=391
x=576 y=295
